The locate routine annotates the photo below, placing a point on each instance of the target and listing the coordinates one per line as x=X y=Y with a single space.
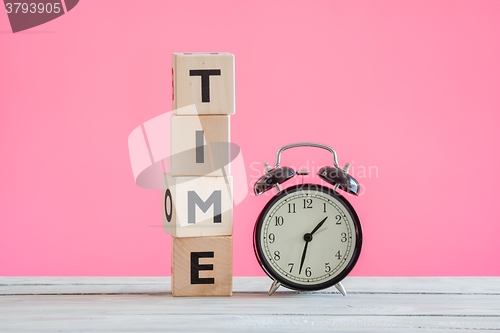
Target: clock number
x=291 y=208
x=291 y=266
x=271 y=238
x=279 y=221
x=344 y=237
x=327 y=267
x=277 y=255
x=338 y=255
x=308 y=203
x=308 y=271
x=338 y=218
x=324 y=207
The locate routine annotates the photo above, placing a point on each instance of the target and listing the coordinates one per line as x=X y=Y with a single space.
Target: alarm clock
x=308 y=236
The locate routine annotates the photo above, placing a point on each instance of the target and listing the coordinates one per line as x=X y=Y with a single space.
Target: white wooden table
x=145 y=304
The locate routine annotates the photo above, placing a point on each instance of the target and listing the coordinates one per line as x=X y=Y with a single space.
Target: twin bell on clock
x=308 y=236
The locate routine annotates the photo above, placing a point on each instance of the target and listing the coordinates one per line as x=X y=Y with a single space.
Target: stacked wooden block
x=197 y=196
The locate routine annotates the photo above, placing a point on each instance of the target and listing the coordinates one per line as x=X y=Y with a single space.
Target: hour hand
x=318 y=226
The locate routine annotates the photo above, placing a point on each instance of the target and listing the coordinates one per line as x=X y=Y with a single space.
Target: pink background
x=409 y=87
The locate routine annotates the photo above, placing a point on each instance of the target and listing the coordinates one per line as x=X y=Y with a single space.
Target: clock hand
x=318 y=226
x=303 y=256
x=308 y=238
x=320 y=231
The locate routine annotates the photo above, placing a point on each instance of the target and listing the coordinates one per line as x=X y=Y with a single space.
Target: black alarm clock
x=308 y=236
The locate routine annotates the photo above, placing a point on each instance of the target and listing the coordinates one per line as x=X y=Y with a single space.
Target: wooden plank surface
x=117 y=285
x=89 y=304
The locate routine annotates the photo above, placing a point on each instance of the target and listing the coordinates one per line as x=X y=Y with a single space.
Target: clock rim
x=271 y=272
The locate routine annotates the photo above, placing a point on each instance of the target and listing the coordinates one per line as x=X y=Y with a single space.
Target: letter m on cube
x=197 y=206
x=213 y=201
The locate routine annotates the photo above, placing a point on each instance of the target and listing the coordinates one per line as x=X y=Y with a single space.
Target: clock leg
x=340 y=288
x=274 y=287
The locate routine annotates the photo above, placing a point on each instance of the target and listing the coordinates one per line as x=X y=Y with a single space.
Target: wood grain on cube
x=202 y=266
x=197 y=206
x=205 y=80
x=200 y=145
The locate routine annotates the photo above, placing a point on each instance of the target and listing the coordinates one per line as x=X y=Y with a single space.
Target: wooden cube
x=200 y=146
x=202 y=266
x=205 y=80
x=198 y=206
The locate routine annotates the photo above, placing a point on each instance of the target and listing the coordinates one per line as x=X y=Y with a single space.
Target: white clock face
x=308 y=237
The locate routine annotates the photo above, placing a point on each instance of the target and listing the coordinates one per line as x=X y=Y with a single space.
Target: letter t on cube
x=205 y=80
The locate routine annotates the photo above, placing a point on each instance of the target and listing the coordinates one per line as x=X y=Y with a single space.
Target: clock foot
x=274 y=287
x=340 y=288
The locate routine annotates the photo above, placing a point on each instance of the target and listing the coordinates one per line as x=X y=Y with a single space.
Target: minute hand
x=303 y=257
x=318 y=226
x=308 y=238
